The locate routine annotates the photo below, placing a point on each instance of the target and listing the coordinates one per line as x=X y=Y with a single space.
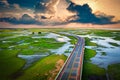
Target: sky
x=55 y=13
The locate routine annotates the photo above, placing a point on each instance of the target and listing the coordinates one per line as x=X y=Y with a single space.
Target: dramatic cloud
x=25 y=19
x=6 y=7
x=46 y=6
x=84 y=15
x=3 y=2
x=13 y=10
x=48 y=12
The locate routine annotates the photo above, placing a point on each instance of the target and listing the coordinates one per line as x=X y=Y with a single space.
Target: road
x=72 y=69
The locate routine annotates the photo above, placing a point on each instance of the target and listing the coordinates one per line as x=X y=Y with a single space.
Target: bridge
x=72 y=69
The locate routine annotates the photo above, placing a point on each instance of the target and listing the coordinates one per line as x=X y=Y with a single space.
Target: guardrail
x=81 y=59
x=66 y=62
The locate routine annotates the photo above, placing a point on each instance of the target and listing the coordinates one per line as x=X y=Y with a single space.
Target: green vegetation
x=73 y=39
x=82 y=32
x=43 y=45
x=114 y=71
x=105 y=33
x=11 y=67
x=90 y=70
x=9 y=63
x=67 y=51
x=117 y=38
x=89 y=54
x=28 y=46
x=104 y=54
x=114 y=44
x=8 y=30
x=88 y=43
x=41 y=70
x=5 y=35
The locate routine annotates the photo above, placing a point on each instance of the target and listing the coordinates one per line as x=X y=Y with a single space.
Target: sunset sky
x=73 y=13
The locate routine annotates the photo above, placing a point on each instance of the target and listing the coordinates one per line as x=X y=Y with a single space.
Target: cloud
x=46 y=6
x=6 y=7
x=25 y=19
x=4 y=2
x=84 y=15
x=24 y=3
x=49 y=12
x=13 y=10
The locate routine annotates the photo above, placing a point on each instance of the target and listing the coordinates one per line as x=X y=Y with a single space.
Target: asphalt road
x=72 y=69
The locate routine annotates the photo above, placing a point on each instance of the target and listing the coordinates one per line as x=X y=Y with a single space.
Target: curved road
x=72 y=69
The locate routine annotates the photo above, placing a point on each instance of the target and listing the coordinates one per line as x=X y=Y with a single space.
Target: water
x=112 y=53
x=60 y=38
x=62 y=49
x=30 y=59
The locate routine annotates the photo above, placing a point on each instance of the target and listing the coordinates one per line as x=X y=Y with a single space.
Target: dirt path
x=58 y=66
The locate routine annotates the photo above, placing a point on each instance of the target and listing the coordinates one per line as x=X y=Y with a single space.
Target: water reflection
x=112 y=52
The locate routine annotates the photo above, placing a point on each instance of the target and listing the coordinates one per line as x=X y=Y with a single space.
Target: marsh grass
x=11 y=67
x=114 y=44
x=91 y=70
x=104 y=54
x=89 y=43
x=114 y=72
x=41 y=69
x=9 y=63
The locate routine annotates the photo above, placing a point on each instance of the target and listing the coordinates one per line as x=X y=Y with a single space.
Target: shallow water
x=112 y=52
x=60 y=38
x=62 y=49
x=30 y=59
x=57 y=37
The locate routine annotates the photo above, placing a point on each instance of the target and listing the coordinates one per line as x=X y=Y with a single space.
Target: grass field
x=11 y=46
x=114 y=72
x=27 y=45
x=43 y=68
x=91 y=71
x=46 y=68
x=88 y=43
x=9 y=63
